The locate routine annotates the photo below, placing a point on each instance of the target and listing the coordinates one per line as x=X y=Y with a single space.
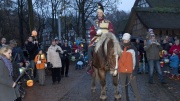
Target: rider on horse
x=104 y=25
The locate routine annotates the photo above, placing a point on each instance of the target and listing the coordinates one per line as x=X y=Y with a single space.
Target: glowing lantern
x=21 y=70
x=82 y=45
x=42 y=56
x=161 y=53
x=30 y=83
x=34 y=33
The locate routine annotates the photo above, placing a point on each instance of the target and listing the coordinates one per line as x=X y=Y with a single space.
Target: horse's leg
x=116 y=90
x=102 y=77
x=94 y=79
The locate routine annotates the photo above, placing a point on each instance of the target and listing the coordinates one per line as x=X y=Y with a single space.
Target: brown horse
x=105 y=58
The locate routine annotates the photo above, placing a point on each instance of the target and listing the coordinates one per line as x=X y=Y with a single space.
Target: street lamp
x=59 y=24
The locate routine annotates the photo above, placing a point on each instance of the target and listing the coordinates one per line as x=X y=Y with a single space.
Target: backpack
x=125 y=62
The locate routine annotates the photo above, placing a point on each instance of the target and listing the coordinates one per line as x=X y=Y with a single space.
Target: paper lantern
x=21 y=70
x=161 y=53
x=82 y=45
x=161 y=64
x=34 y=33
x=30 y=83
x=42 y=56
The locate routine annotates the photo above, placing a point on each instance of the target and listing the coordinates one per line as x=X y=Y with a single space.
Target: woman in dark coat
x=8 y=88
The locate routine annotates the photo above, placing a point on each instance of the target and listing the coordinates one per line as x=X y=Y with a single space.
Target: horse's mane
x=105 y=38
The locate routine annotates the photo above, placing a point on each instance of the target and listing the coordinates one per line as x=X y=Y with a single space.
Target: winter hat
x=175 y=51
x=150 y=30
x=100 y=8
x=13 y=42
x=126 y=36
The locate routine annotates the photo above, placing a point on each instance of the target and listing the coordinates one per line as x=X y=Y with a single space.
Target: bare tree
x=31 y=16
x=41 y=15
x=118 y=19
x=87 y=8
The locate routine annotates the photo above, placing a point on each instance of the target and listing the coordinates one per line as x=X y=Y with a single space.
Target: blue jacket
x=174 y=61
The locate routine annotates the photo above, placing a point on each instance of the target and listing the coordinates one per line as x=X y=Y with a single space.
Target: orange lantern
x=34 y=33
x=30 y=83
x=161 y=53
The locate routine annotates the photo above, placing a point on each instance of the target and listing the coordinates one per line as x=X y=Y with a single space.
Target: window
x=142 y=3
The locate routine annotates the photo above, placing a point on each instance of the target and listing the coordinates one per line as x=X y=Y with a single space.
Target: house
x=161 y=15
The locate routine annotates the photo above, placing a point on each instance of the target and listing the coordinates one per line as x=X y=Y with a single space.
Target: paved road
x=77 y=88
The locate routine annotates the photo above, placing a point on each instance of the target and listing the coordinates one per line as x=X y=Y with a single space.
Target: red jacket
x=93 y=30
x=74 y=47
x=173 y=47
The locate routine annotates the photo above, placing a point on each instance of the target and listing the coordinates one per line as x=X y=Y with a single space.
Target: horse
x=105 y=59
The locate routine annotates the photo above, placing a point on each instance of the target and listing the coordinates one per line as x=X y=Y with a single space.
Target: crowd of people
x=161 y=53
x=12 y=57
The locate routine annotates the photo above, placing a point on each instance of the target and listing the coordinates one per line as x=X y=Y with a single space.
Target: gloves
x=58 y=51
x=38 y=62
x=48 y=63
x=99 y=32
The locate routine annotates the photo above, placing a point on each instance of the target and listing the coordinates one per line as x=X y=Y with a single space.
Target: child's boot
x=172 y=77
x=177 y=77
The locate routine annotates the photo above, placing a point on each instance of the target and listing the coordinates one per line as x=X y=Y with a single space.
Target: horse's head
x=113 y=52
x=110 y=50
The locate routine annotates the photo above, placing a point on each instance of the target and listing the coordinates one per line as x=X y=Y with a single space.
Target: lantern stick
x=20 y=76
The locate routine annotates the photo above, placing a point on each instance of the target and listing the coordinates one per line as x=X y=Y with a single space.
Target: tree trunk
x=31 y=17
x=83 y=26
x=83 y=19
x=20 y=15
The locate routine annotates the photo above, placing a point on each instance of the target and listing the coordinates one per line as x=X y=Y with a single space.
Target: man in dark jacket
x=65 y=59
x=152 y=52
x=32 y=50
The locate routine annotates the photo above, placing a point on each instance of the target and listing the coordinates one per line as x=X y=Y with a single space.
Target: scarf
x=8 y=65
x=127 y=44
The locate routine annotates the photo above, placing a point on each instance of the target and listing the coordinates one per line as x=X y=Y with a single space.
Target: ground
x=77 y=86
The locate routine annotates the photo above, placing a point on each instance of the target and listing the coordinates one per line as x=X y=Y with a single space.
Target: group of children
x=170 y=64
x=80 y=58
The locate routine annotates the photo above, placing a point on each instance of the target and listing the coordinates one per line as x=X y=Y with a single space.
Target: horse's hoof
x=103 y=97
x=117 y=97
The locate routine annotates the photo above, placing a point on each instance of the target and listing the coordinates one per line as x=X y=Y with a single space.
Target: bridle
x=110 y=66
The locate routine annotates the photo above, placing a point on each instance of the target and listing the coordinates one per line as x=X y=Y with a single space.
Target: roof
x=162 y=14
x=164 y=3
x=159 y=20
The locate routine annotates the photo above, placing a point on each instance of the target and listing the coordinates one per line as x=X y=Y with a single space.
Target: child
x=80 y=62
x=174 y=64
x=126 y=68
x=40 y=61
x=165 y=58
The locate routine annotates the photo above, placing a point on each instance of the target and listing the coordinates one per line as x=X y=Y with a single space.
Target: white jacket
x=53 y=56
